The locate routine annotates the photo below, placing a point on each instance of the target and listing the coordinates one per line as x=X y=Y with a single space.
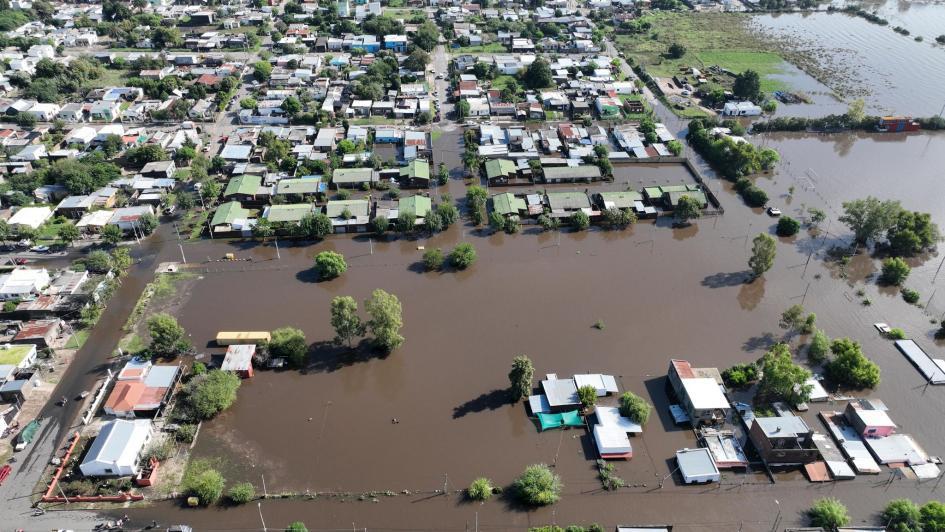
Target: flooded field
x=660 y=293
x=892 y=72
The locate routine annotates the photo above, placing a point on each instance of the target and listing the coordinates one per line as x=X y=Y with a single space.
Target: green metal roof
x=298 y=186
x=244 y=184
x=356 y=207
x=679 y=188
x=583 y=171
x=352 y=175
x=621 y=200
x=416 y=169
x=673 y=197
x=418 y=205
x=288 y=213
x=507 y=203
x=499 y=168
x=568 y=200
x=228 y=212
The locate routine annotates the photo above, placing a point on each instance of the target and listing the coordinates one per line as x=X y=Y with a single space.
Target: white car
x=772 y=211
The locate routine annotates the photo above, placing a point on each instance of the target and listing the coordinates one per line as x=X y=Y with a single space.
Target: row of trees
x=730 y=158
x=886 y=222
x=384 y=323
x=900 y=515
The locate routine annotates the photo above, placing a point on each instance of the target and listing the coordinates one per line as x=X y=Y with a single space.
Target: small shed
x=697 y=466
x=612 y=442
x=239 y=359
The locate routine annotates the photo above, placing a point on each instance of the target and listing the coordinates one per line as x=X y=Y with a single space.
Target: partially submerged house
x=239 y=359
x=699 y=392
x=118 y=449
x=783 y=440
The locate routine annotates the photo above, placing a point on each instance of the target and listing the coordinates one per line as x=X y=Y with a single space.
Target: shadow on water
x=751 y=293
x=326 y=357
x=658 y=391
x=488 y=401
x=726 y=279
x=761 y=342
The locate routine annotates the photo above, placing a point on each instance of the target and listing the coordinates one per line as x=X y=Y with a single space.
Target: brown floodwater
x=660 y=293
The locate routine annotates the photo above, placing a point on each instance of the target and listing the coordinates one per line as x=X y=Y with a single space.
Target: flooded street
x=868 y=60
x=660 y=293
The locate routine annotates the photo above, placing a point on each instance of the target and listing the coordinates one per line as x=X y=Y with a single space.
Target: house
x=118 y=449
x=617 y=200
x=29 y=217
x=508 y=205
x=353 y=177
x=44 y=112
x=18 y=356
x=39 y=333
x=869 y=419
x=348 y=216
x=699 y=390
x=397 y=43
x=571 y=174
x=228 y=216
x=239 y=359
x=243 y=188
x=300 y=187
x=697 y=466
x=75 y=206
x=740 y=109
x=236 y=152
x=418 y=206
x=23 y=283
x=607 y=108
x=415 y=174
x=499 y=171
x=325 y=139
x=142 y=388
x=94 y=221
x=291 y=213
x=566 y=203
x=103 y=111
x=128 y=218
x=159 y=169
x=783 y=440
x=31 y=153
x=202 y=109
x=561 y=394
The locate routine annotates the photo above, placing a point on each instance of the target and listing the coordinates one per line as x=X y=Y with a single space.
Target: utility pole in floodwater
x=259 y=506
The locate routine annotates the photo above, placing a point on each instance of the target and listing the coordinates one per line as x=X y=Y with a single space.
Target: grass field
x=77 y=340
x=500 y=82
x=491 y=48
x=710 y=39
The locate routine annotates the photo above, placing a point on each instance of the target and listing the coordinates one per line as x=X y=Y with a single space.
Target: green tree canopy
x=167 y=336
x=782 y=379
x=209 y=394
x=289 y=342
x=345 y=319
x=763 y=251
x=850 y=367
x=520 y=378
x=386 y=319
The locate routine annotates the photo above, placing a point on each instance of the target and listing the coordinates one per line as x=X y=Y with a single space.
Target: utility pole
x=265 y=493
x=182 y=257
x=259 y=506
x=278 y=255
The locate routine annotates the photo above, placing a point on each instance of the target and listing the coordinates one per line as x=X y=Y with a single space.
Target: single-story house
x=302 y=187
x=141 y=389
x=118 y=449
x=349 y=216
x=75 y=206
x=18 y=356
x=353 y=177
x=127 y=218
x=227 y=215
x=39 y=333
x=415 y=174
x=290 y=213
x=699 y=391
x=570 y=174
x=31 y=217
x=507 y=204
x=236 y=152
x=499 y=171
x=23 y=283
x=868 y=420
x=242 y=187
x=566 y=203
x=239 y=359
x=417 y=205
x=159 y=169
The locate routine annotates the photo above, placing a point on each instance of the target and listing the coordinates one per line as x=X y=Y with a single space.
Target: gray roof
x=161 y=376
x=695 y=462
x=236 y=151
x=114 y=444
x=560 y=392
x=571 y=172
x=783 y=426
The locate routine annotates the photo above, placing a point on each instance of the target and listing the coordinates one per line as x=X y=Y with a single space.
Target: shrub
x=290 y=343
x=297 y=526
x=587 y=394
x=199 y=368
x=788 y=226
x=480 y=489
x=635 y=408
x=463 y=256
x=330 y=264
x=242 y=493
x=911 y=296
x=850 y=367
x=433 y=259
x=186 y=433
x=895 y=271
x=208 y=395
x=380 y=225
x=896 y=334
x=580 y=220
x=819 y=347
x=902 y=515
x=520 y=377
x=547 y=222
x=740 y=375
x=829 y=513
x=538 y=486
x=933 y=516
x=203 y=482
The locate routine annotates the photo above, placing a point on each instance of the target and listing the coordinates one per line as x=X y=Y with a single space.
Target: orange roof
x=125 y=396
x=684 y=369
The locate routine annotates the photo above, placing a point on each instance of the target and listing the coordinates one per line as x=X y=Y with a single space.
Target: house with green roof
x=507 y=204
x=415 y=174
x=570 y=174
x=617 y=200
x=566 y=203
x=417 y=205
x=226 y=215
x=500 y=171
x=668 y=196
x=300 y=188
x=353 y=177
x=289 y=213
x=242 y=188
x=349 y=216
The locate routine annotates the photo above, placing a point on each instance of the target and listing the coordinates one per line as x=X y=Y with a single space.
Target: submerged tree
x=386 y=319
x=520 y=377
x=763 y=251
x=345 y=319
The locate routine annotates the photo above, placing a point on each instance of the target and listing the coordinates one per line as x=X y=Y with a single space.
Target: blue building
x=397 y=43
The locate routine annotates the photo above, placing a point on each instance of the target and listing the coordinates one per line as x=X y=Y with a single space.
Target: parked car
x=25 y=243
x=774 y=212
x=40 y=249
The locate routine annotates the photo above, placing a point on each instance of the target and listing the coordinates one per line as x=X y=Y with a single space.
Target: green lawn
x=109 y=78
x=500 y=82
x=77 y=340
x=48 y=233
x=491 y=48
x=764 y=63
x=13 y=355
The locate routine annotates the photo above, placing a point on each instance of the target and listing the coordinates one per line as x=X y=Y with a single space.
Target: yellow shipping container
x=242 y=337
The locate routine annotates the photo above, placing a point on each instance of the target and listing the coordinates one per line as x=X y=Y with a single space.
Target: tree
x=111 y=146
x=167 y=336
x=850 y=367
x=211 y=191
x=98 y=261
x=747 y=85
x=147 y=223
x=676 y=50
x=520 y=378
x=902 y=515
x=297 y=526
x=148 y=153
x=426 y=36
x=433 y=259
x=386 y=319
x=912 y=233
x=68 y=233
x=330 y=264
x=207 y=485
x=112 y=234
x=291 y=105
x=619 y=218
x=289 y=342
x=829 y=514
x=345 y=319
x=819 y=348
x=417 y=60
x=781 y=378
x=262 y=70
x=406 y=222
x=587 y=395
x=263 y=229
x=763 y=251
x=856 y=111
x=788 y=226
x=432 y=222
x=480 y=489
x=933 y=516
x=315 y=225
x=635 y=407
x=248 y=103
x=496 y=221
x=580 y=220
x=462 y=109
x=448 y=213
x=121 y=259
x=537 y=75
x=380 y=225
x=538 y=486
x=869 y=218
x=241 y=493
x=895 y=271
x=687 y=209
x=209 y=394
x=463 y=256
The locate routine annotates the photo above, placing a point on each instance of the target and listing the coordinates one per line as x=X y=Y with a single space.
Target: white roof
x=609 y=416
x=705 y=394
x=23 y=281
x=539 y=403
x=238 y=357
x=31 y=216
x=118 y=443
x=96 y=219
x=611 y=440
x=874 y=418
x=697 y=465
x=897 y=448
x=604 y=384
x=817 y=392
